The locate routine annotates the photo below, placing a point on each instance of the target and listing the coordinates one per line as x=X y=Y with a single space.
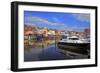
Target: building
x=87 y=32
x=30 y=32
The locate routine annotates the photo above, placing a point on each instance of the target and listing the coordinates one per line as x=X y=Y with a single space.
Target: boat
x=74 y=42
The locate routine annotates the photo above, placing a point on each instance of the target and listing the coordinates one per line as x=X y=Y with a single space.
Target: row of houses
x=30 y=30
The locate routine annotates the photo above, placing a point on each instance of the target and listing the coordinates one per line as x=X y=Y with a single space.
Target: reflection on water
x=43 y=50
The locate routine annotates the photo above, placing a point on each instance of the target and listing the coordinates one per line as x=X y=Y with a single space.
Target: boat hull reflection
x=74 y=52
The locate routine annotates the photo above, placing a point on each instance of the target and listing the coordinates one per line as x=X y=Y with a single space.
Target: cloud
x=82 y=16
x=76 y=28
x=40 y=22
x=32 y=19
x=55 y=19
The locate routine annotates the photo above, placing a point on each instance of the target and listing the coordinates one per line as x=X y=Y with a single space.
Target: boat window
x=73 y=38
x=64 y=37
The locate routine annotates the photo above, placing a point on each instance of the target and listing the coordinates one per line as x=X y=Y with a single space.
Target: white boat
x=74 y=42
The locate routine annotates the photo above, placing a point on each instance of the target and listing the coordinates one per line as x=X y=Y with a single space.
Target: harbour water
x=48 y=50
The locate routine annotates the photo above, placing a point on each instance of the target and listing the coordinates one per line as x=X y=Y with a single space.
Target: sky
x=57 y=20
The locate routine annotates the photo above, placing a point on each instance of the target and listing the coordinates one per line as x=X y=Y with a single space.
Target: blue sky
x=57 y=20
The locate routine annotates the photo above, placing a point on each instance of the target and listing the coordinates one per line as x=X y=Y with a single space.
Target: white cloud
x=40 y=22
x=36 y=19
x=55 y=19
x=82 y=16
